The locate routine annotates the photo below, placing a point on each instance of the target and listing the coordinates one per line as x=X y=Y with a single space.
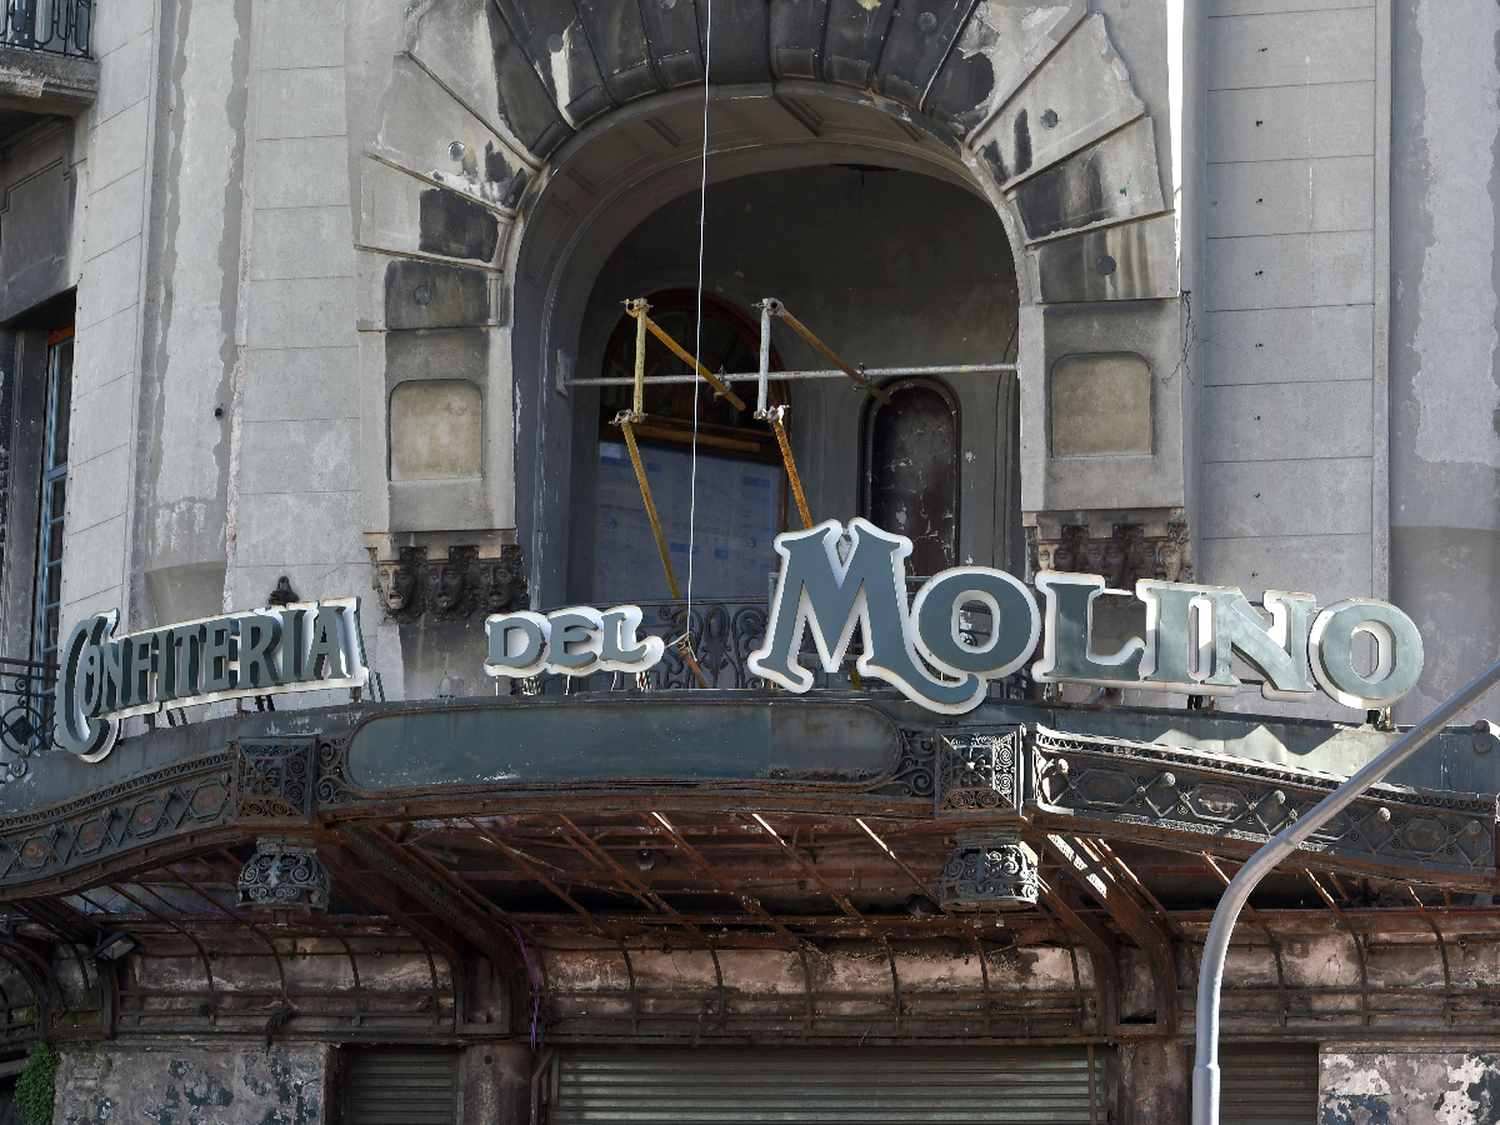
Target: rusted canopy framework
x=651 y=918
x=728 y=867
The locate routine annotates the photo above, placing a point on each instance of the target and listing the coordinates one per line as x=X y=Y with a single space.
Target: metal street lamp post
x=1263 y=862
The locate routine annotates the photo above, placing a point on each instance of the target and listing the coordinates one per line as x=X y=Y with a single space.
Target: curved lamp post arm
x=1263 y=862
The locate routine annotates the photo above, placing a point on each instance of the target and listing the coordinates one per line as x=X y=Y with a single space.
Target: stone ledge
x=43 y=82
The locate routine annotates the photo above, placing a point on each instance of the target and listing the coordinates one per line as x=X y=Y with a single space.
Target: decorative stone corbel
x=1121 y=545
x=447 y=576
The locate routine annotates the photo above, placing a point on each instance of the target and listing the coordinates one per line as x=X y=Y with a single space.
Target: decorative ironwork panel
x=333 y=786
x=284 y=874
x=1214 y=795
x=58 y=27
x=26 y=690
x=998 y=873
x=915 y=774
x=724 y=634
x=979 y=771
x=185 y=796
x=275 y=780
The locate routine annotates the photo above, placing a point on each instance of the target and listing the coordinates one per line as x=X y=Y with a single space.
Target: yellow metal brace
x=626 y=421
x=638 y=309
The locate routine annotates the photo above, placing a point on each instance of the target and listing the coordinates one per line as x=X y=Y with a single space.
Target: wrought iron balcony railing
x=724 y=634
x=58 y=27
x=27 y=690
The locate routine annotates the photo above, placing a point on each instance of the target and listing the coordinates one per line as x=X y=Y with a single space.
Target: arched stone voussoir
x=1037 y=98
x=437 y=179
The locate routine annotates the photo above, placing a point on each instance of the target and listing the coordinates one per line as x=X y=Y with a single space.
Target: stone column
x=1153 y=1085
x=494 y=1084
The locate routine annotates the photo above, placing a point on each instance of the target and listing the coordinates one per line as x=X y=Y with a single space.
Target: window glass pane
x=53 y=498
x=738 y=516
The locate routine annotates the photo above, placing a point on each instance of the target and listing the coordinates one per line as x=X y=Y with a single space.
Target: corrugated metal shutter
x=1270 y=1085
x=825 y=1086
x=401 y=1086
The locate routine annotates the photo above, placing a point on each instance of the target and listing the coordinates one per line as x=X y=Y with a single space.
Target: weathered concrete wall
x=216 y=432
x=107 y=370
x=190 y=323
x=294 y=464
x=1376 y=1084
x=1445 y=328
x=180 y=1084
x=1293 y=432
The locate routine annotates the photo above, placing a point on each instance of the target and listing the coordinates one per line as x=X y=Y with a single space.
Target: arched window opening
x=889 y=268
x=911 y=470
x=741 y=495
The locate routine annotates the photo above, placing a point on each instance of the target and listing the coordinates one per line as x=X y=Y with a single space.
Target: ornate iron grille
x=60 y=27
x=27 y=689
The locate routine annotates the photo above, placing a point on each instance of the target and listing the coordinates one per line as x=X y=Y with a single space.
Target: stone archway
x=515 y=140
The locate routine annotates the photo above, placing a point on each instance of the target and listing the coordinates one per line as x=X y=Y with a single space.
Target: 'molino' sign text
x=834 y=577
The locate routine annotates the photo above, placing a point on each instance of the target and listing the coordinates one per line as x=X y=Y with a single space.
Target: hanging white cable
x=708 y=53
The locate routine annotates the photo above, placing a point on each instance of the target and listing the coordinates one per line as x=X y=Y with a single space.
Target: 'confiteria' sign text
x=833 y=578
x=305 y=646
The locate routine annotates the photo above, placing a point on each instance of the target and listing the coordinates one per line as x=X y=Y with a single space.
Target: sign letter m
x=830 y=577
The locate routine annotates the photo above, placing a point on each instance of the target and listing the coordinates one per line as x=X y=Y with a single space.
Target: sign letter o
x=91 y=677
x=1398 y=661
x=1016 y=622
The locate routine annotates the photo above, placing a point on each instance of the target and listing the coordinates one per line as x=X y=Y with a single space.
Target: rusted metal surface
x=640 y=309
x=1081 y=859
x=778 y=309
x=784 y=909
x=1111 y=787
x=775 y=416
x=651 y=922
x=626 y=423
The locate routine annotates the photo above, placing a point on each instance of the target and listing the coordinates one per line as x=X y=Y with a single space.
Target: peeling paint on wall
x=184 y=1085
x=1395 y=1086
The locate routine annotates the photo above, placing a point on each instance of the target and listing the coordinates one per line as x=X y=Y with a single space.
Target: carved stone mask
x=502 y=587
x=450 y=586
x=396 y=583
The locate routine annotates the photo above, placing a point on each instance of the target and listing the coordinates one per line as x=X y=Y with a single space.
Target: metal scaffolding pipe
x=1263 y=862
x=752 y=377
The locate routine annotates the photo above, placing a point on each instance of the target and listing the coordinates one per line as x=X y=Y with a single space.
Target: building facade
x=347 y=347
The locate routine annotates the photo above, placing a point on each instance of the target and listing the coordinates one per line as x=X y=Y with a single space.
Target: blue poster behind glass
x=739 y=515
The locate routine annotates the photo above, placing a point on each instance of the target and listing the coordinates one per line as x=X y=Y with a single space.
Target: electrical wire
x=708 y=54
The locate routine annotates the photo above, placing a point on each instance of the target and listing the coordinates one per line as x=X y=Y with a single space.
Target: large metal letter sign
x=571 y=642
x=305 y=646
x=833 y=577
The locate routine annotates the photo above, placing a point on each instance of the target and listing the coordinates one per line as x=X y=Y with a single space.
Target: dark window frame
x=53 y=495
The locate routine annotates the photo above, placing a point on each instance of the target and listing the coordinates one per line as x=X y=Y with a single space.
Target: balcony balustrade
x=57 y=27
